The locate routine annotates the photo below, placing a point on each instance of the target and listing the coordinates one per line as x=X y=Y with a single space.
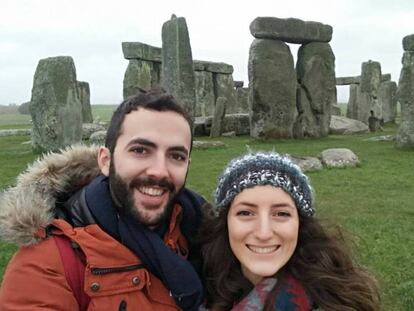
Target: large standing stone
x=204 y=91
x=408 y=43
x=388 y=100
x=272 y=85
x=85 y=99
x=55 y=105
x=317 y=89
x=177 y=62
x=290 y=30
x=370 y=82
x=141 y=74
x=218 y=119
x=405 y=95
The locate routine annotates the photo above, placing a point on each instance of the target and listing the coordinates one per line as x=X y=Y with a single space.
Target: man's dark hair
x=155 y=99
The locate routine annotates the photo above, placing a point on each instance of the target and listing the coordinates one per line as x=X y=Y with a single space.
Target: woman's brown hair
x=322 y=262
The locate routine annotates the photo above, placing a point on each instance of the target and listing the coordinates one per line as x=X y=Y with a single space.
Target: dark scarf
x=177 y=274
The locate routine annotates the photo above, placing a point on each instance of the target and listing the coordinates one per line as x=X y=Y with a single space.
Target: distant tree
x=24 y=108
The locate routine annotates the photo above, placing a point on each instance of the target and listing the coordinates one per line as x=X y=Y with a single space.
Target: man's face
x=150 y=162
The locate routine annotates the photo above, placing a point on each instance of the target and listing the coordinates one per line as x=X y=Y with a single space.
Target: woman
x=263 y=249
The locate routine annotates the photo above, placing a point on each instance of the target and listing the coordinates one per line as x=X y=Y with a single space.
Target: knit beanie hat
x=264 y=168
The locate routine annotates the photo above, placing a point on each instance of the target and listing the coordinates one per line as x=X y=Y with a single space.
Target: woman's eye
x=244 y=213
x=282 y=214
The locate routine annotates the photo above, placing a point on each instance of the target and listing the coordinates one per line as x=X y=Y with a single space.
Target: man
x=123 y=207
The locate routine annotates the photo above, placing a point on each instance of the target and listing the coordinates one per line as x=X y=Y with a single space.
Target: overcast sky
x=91 y=32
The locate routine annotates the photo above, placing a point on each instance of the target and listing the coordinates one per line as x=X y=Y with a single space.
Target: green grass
x=373 y=201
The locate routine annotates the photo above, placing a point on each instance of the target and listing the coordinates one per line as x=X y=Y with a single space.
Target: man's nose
x=158 y=167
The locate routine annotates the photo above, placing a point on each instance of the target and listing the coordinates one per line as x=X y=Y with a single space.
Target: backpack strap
x=74 y=270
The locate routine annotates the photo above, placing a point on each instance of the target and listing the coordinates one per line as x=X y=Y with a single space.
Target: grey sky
x=92 y=31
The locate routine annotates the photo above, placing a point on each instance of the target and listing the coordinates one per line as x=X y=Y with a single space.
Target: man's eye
x=178 y=157
x=139 y=150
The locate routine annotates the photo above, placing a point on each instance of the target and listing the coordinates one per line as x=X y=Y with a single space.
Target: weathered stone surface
x=272 y=89
x=98 y=138
x=177 y=63
x=213 y=67
x=242 y=99
x=339 y=157
x=204 y=92
x=15 y=132
x=405 y=95
x=352 y=102
x=291 y=30
x=218 y=118
x=317 y=92
x=89 y=128
x=336 y=110
x=238 y=84
x=367 y=93
x=408 y=43
x=223 y=84
x=381 y=138
x=387 y=97
x=344 y=126
x=85 y=99
x=357 y=79
x=197 y=144
x=237 y=122
x=348 y=80
x=138 y=50
x=385 y=77
x=55 y=105
x=307 y=164
x=141 y=74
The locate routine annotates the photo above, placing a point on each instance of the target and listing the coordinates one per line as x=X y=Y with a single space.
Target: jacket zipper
x=101 y=271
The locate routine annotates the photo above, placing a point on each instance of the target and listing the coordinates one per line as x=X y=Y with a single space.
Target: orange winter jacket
x=35 y=277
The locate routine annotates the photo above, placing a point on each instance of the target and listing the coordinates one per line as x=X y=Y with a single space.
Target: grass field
x=374 y=201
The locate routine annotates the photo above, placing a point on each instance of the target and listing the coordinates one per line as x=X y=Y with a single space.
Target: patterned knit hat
x=260 y=168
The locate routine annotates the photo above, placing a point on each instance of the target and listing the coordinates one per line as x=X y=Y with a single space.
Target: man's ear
x=104 y=160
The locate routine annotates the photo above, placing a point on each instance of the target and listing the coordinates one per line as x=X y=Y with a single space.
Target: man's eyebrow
x=179 y=148
x=141 y=141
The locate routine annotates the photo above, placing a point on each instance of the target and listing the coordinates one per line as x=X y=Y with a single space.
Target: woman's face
x=263 y=225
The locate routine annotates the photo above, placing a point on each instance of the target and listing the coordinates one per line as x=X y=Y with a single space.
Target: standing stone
x=55 y=105
x=272 y=89
x=177 y=63
x=218 y=118
x=205 y=98
x=405 y=95
x=224 y=88
x=85 y=99
x=388 y=100
x=141 y=74
x=370 y=82
x=242 y=99
x=351 y=111
x=317 y=89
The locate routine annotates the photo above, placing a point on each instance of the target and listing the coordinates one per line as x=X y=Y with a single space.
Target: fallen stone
x=307 y=164
x=197 y=144
x=89 y=128
x=15 y=132
x=341 y=125
x=98 y=138
x=339 y=157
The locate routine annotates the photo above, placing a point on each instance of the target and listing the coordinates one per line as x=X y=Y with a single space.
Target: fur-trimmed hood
x=29 y=206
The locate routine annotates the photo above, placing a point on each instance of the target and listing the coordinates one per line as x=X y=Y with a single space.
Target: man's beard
x=123 y=195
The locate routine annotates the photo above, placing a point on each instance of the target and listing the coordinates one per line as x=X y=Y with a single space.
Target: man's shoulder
x=190 y=197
